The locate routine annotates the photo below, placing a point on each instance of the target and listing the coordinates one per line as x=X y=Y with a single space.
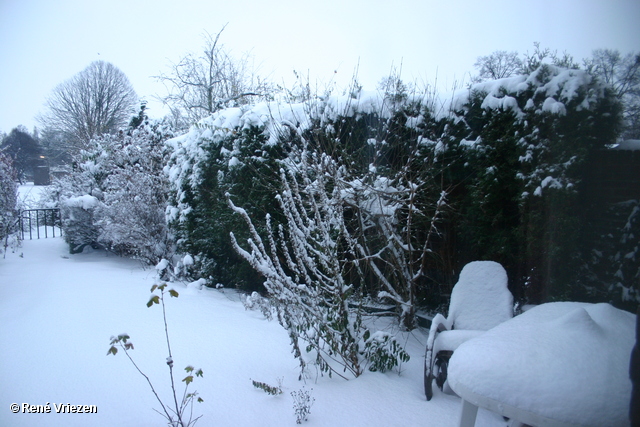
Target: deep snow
x=565 y=360
x=58 y=311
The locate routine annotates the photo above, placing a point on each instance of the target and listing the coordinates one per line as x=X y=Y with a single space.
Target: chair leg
x=468 y=414
x=440 y=367
x=428 y=382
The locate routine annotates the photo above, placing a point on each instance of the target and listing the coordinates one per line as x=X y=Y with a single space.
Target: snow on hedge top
x=85 y=202
x=550 y=88
x=567 y=361
x=480 y=300
x=189 y=150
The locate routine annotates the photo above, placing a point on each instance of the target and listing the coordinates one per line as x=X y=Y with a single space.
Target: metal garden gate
x=32 y=220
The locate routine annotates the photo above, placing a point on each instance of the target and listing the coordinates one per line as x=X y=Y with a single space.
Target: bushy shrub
x=383 y=351
x=116 y=194
x=8 y=202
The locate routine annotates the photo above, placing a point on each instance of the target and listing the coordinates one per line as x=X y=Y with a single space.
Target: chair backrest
x=480 y=300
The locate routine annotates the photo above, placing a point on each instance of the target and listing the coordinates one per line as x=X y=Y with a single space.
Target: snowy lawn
x=58 y=311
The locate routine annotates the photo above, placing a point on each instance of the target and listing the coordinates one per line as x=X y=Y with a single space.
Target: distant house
x=41 y=171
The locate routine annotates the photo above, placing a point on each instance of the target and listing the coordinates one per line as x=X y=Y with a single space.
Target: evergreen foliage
x=23 y=149
x=496 y=172
x=242 y=164
x=612 y=271
x=526 y=142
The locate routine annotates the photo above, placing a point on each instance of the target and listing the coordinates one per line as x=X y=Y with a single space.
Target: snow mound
x=567 y=361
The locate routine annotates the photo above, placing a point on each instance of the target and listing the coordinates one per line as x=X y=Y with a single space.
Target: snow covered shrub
x=8 y=202
x=132 y=214
x=255 y=301
x=391 y=201
x=396 y=226
x=521 y=145
x=116 y=195
x=393 y=204
x=307 y=262
x=493 y=172
x=78 y=222
x=304 y=270
x=269 y=389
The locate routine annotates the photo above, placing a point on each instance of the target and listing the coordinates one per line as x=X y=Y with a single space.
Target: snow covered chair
x=479 y=301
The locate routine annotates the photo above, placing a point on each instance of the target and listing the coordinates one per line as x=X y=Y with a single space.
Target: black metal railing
x=31 y=220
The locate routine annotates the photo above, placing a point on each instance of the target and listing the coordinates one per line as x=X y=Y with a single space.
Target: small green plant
x=302 y=403
x=269 y=389
x=176 y=413
x=383 y=351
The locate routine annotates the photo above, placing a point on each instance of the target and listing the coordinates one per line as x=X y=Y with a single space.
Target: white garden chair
x=479 y=301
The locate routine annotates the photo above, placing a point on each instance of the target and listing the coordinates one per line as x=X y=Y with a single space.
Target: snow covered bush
x=132 y=212
x=78 y=222
x=313 y=265
x=269 y=389
x=255 y=301
x=396 y=224
x=383 y=351
x=490 y=172
x=304 y=271
x=116 y=194
x=241 y=150
x=302 y=403
x=8 y=202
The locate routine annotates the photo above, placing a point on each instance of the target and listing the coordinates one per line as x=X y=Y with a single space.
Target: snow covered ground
x=58 y=312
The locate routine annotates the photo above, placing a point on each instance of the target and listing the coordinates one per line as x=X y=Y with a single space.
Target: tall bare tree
x=97 y=100
x=622 y=74
x=199 y=85
x=501 y=64
x=498 y=65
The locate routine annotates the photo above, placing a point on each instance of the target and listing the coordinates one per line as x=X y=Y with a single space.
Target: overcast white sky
x=44 y=42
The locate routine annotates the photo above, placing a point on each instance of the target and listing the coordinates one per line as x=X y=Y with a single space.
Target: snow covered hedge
x=386 y=190
x=517 y=149
x=218 y=156
x=490 y=172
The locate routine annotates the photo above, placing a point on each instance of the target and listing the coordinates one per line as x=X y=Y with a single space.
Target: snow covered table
x=558 y=364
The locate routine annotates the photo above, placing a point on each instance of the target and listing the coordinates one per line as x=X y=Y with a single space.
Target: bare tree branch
x=198 y=86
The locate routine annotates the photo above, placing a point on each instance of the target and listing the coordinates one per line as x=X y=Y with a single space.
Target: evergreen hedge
x=510 y=155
